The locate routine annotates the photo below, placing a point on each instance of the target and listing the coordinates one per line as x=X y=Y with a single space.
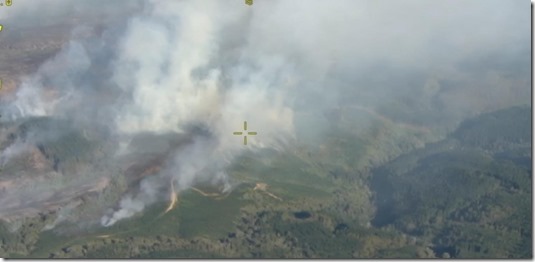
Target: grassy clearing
x=206 y=216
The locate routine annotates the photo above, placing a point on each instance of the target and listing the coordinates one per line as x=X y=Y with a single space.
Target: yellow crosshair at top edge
x=248 y=133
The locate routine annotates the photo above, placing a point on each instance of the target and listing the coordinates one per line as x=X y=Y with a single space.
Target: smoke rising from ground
x=183 y=66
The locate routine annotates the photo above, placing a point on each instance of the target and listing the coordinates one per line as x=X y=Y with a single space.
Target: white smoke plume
x=131 y=205
x=201 y=68
x=173 y=82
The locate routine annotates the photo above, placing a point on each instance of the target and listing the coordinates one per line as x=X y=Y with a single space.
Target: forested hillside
x=382 y=193
x=470 y=194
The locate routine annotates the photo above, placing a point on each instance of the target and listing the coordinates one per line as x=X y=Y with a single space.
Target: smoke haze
x=199 y=69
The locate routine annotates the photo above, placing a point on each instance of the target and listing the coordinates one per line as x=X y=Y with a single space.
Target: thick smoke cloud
x=177 y=67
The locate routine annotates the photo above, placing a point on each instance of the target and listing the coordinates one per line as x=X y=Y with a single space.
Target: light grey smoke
x=177 y=67
x=34 y=100
x=168 y=95
x=131 y=205
x=11 y=151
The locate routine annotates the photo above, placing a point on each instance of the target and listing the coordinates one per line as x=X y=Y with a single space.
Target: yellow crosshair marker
x=248 y=133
